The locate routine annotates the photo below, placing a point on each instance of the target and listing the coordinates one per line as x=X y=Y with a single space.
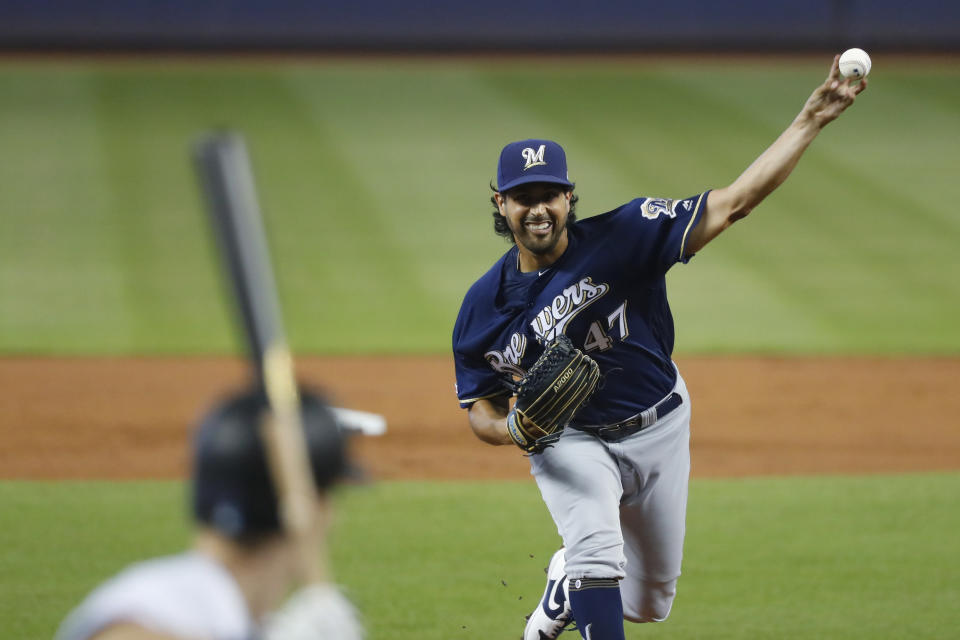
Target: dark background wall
x=534 y=25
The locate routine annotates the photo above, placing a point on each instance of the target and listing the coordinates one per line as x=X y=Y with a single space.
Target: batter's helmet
x=232 y=487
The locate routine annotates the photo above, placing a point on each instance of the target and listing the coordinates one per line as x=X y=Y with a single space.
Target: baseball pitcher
x=564 y=349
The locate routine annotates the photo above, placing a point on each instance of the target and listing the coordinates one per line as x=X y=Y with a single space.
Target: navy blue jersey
x=607 y=293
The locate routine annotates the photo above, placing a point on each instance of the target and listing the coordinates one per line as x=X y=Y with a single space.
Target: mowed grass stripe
x=826 y=247
x=373 y=177
x=413 y=187
x=159 y=238
x=345 y=276
x=914 y=114
x=878 y=282
x=57 y=277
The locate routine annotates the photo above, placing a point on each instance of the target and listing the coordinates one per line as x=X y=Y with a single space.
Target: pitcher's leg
x=580 y=484
x=597 y=608
x=654 y=517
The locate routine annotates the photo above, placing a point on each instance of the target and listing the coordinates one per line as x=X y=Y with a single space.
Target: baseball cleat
x=553 y=613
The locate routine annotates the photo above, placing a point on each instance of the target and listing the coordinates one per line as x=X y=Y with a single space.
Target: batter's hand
x=831 y=98
x=315 y=612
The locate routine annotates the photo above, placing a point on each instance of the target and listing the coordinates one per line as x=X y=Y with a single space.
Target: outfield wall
x=440 y=25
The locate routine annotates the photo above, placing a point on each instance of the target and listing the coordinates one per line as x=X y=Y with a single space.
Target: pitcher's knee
x=651 y=602
x=601 y=558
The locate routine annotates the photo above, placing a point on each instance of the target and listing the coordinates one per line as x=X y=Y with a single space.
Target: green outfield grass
x=373 y=175
x=778 y=558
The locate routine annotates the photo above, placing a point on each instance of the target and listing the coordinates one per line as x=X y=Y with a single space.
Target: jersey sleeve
x=479 y=324
x=475 y=379
x=652 y=233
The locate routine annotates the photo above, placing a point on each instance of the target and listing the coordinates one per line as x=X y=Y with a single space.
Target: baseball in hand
x=854 y=63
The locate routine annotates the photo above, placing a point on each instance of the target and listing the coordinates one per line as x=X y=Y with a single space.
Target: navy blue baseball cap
x=532 y=161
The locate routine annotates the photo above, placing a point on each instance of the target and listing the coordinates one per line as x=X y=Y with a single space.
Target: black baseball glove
x=554 y=388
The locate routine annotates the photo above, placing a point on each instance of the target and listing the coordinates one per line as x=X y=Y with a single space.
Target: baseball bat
x=226 y=177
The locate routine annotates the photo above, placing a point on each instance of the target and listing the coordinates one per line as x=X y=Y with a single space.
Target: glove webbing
x=556 y=406
x=576 y=390
x=582 y=380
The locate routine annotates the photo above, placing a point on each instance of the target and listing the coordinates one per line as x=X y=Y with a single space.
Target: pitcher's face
x=536 y=214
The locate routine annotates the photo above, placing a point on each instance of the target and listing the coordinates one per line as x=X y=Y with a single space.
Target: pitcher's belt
x=634 y=424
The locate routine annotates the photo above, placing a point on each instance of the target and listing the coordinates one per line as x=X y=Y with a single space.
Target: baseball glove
x=554 y=388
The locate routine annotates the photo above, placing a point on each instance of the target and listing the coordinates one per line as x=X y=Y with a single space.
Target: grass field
x=819 y=557
x=374 y=175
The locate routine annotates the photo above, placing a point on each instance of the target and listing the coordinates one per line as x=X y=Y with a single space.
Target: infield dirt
x=86 y=418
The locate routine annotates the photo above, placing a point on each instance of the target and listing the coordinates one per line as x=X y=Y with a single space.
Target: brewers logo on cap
x=532 y=160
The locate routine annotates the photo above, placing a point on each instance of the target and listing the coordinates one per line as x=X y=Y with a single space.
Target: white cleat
x=553 y=613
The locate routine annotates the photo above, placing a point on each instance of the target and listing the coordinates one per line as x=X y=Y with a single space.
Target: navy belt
x=635 y=424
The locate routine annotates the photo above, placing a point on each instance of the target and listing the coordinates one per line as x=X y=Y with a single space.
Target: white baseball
x=854 y=63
